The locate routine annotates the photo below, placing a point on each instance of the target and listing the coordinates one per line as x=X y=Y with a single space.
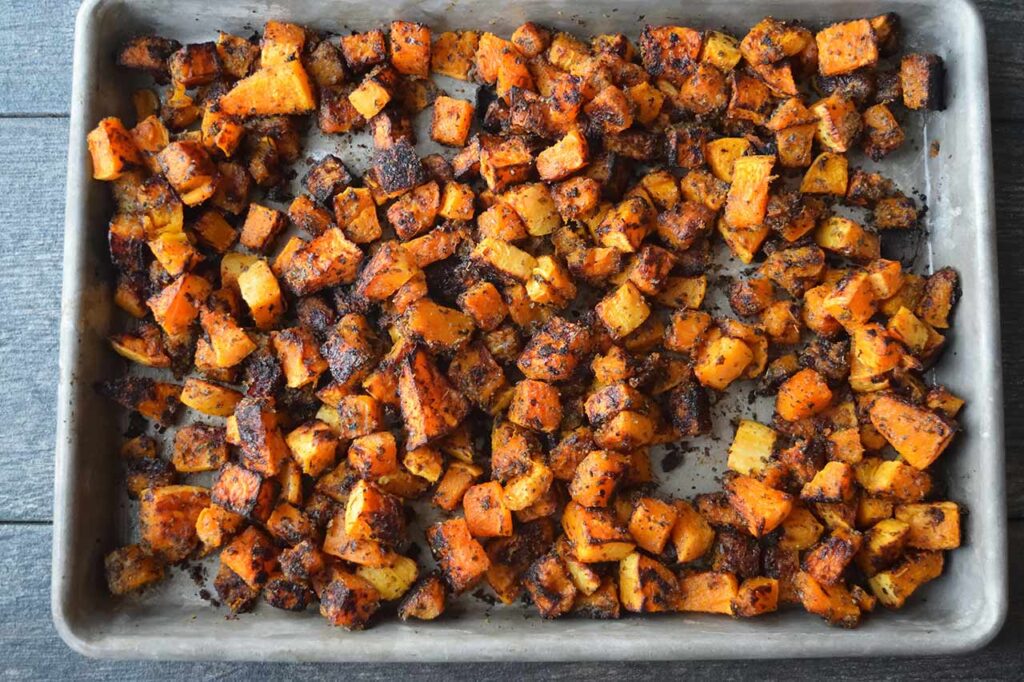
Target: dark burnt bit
x=639 y=145
x=262 y=375
x=438 y=169
x=348 y=360
x=860 y=86
x=131 y=391
x=301 y=563
x=530 y=541
x=287 y=595
x=527 y=113
x=389 y=126
x=736 y=552
x=831 y=359
x=326 y=178
x=150 y=54
x=316 y=314
x=233 y=591
x=690 y=408
x=497 y=117
x=148 y=473
x=398 y=167
x=673 y=458
x=321 y=508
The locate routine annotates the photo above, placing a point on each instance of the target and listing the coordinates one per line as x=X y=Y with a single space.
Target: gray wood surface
x=35 y=75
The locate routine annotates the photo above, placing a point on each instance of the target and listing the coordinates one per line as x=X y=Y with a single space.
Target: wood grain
x=32 y=213
x=31 y=646
x=35 y=56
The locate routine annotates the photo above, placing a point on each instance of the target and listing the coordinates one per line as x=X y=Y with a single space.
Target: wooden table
x=35 y=77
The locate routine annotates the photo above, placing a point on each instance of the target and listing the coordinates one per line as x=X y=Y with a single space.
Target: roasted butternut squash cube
x=708 y=592
x=623 y=310
x=597 y=477
x=453 y=54
x=425 y=601
x=372 y=514
x=747 y=200
x=832 y=602
x=486 y=513
x=595 y=534
x=895 y=586
x=461 y=558
x=112 y=149
x=199 y=447
x=262 y=293
x=209 y=398
x=299 y=354
x=646 y=585
x=721 y=361
x=452 y=121
x=348 y=600
x=431 y=408
x=941 y=290
x=167 y=520
x=763 y=508
x=922 y=79
x=918 y=434
x=131 y=568
x=483 y=302
x=505 y=258
x=846 y=46
x=374 y=455
x=803 y=395
x=839 y=122
x=437 y=327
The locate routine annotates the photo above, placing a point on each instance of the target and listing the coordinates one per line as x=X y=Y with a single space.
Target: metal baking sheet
x=959 y=612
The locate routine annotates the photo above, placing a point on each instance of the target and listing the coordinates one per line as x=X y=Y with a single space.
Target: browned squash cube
x=932 y=526
x=262 y=445
x=708 y=592
x=364 y=50
x=550 y=586
x=452 y=121
x=596 y=478
x=189 y=169
x=426 y=600
x=131 y=568
x=199 y=447
x=461 y=558
x=327 y=178
x=431 y=408
x=262 y=225
x=374 y=455
x=691 y=534
x=922 y=81
x=209 y=398
x=487 y=516
x=112 y=149
x=372 y=514
x=846 y=46
x=314 y=446
x=299 y=354
x=167 y=519
x=536 y=405
x=595 y=534
x=651 y=523
x=839 y=122
x=148 y=53
x=336 y=114
x=832 y=602
x=504 y=162
x=414 y=212
x=154 y=400
x=647 y=585
x=827 y=560
x=244 y=492
x=763 y=508
x=348 y=600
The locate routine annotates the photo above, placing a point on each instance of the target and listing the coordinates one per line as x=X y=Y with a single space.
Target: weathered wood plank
x=31 y=649
x=1009 y=179
x=30 y=277
x=1004 y=24
x=35 y=55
